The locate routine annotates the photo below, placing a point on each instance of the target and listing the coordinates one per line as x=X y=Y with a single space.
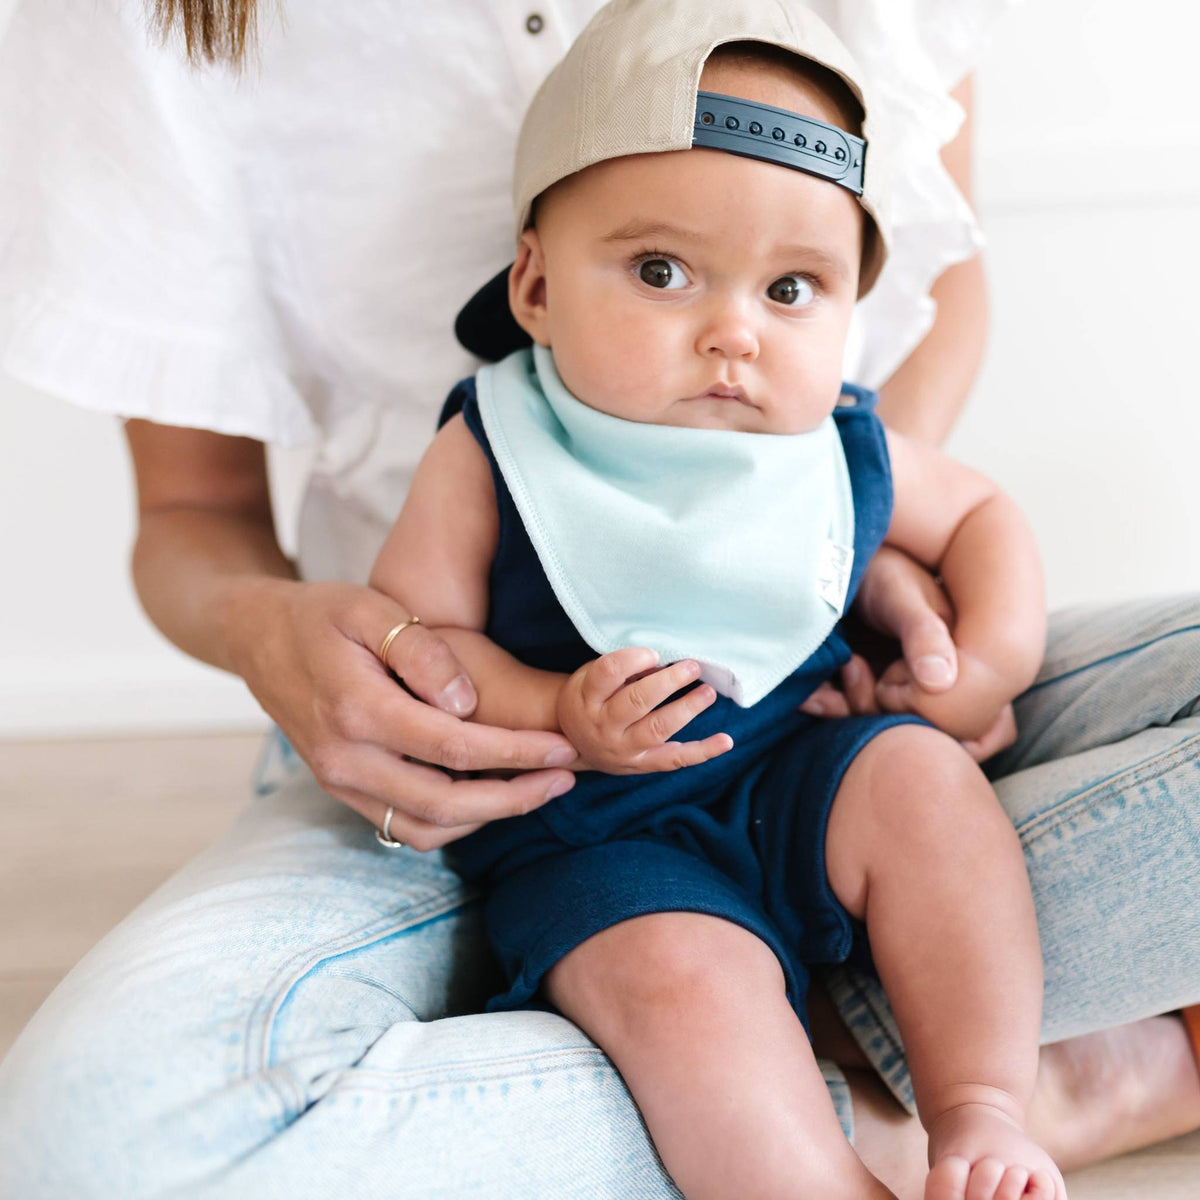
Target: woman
x=227 y=263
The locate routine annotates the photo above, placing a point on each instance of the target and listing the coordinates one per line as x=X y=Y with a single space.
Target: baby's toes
x=1012 y=1186
x=948 y=1179
x=985 y=1178
x=1043 y=1185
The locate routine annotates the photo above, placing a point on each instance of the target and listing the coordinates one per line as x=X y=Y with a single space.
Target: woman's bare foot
x=1097 y=1096
x=982 y=1151
x=1106 y=1093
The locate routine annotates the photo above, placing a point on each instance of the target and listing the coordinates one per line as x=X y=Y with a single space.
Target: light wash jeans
x=292 y=1014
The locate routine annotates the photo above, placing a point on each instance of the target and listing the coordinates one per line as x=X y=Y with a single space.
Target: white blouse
x=282 y=255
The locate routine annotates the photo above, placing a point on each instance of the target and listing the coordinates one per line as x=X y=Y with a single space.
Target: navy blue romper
x=740 y=837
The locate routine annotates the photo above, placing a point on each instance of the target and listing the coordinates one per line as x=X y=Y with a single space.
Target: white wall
x=1089 y=182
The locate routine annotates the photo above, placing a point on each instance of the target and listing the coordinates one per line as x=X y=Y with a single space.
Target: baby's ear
x=527 y=288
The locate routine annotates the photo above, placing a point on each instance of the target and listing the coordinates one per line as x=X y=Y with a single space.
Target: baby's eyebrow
x=835 y=264
x=640 y=230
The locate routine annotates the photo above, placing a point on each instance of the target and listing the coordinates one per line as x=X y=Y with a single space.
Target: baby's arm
x=962 y=526
x=437 y=560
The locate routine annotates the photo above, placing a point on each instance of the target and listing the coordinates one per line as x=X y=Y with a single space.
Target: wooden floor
x=88 y=829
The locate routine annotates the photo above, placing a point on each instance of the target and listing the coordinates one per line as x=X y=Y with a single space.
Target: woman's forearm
x=206 y=537
x=197 y=574
x=925 y=395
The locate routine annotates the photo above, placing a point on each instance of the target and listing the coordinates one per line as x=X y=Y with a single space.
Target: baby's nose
x=729 y=333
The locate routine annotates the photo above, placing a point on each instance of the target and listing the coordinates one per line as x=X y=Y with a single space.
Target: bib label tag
x=833 y=577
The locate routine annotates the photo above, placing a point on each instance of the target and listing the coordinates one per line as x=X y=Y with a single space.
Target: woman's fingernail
x=814 y=708
x=458 y=696
x=560 y=756
x=559 y=787
x=851 y=672
x=933 y=669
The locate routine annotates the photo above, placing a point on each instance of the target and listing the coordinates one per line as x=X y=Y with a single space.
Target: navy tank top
x=526 y=619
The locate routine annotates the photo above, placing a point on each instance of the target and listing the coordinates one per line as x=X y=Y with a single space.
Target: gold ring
x=391 y=637
x=383 y=836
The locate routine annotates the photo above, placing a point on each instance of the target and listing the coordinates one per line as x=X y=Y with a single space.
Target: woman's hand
x=211 y=575
x=308 y=652
x=609 y=710
x=902 y=601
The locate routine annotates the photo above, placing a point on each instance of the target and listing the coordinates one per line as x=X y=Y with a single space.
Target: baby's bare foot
x=979 y=1151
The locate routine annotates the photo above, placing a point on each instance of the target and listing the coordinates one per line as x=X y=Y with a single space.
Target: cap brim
x=485 y=325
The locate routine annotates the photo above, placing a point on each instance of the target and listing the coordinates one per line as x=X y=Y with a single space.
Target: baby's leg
x=692 y=1011
x=920 y=849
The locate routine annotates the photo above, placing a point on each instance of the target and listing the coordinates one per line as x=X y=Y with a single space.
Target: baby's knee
x=660 y=965
x=911 y=791
x=912 y=780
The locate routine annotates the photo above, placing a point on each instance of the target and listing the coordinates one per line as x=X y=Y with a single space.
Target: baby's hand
x=976 y=709
x=608 y=711
x=944 y=704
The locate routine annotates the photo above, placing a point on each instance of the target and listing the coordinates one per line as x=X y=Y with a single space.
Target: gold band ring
x=391 y=637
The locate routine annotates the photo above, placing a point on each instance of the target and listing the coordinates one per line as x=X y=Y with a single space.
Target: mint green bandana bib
x=730 y=548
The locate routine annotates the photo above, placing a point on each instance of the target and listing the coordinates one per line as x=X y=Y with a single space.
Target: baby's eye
x=662 y=273
x=788 y=289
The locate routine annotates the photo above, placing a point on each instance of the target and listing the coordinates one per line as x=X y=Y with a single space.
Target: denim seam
x=367 y=981
x=1045 y=823
x=260 y=1023
x=857 y=1008
x=288 y=1090
x=479 y=1071
x=1041 y=683
x=839 y=1093
x=895 y=1081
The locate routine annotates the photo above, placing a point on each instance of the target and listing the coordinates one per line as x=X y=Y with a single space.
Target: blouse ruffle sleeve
x=914 y=52
x=128 y=278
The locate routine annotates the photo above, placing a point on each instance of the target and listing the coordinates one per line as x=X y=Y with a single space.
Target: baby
x=674 y=474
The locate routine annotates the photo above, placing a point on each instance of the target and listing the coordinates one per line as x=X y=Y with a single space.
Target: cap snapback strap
x=776 y=135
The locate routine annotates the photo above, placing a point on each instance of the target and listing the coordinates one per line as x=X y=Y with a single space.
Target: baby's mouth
x=725 y=391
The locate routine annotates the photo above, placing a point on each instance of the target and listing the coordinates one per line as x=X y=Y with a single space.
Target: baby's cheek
x=580 y=369
x=620 y=370
x=814 y=382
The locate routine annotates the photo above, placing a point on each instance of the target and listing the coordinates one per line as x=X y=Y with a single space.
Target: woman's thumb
x=929 y=651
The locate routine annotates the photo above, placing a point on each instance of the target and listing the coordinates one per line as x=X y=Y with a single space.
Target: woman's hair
x=213 y=30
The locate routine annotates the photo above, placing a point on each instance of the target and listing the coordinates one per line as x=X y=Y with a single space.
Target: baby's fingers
x=610 y=671
x=635 y=700
x=674 y=755
x=665 y=722
x=856 y=697
x=895 y=692
x=826 y=701
x=858 y=684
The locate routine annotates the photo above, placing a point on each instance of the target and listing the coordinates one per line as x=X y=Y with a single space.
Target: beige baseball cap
x=629 y=85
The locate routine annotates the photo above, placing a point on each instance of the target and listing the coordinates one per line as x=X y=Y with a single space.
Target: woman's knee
x=80 y=1098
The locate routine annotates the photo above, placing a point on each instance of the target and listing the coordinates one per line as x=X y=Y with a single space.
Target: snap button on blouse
x=535 y=23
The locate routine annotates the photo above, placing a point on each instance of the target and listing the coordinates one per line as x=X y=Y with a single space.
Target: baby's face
x=697 y=288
